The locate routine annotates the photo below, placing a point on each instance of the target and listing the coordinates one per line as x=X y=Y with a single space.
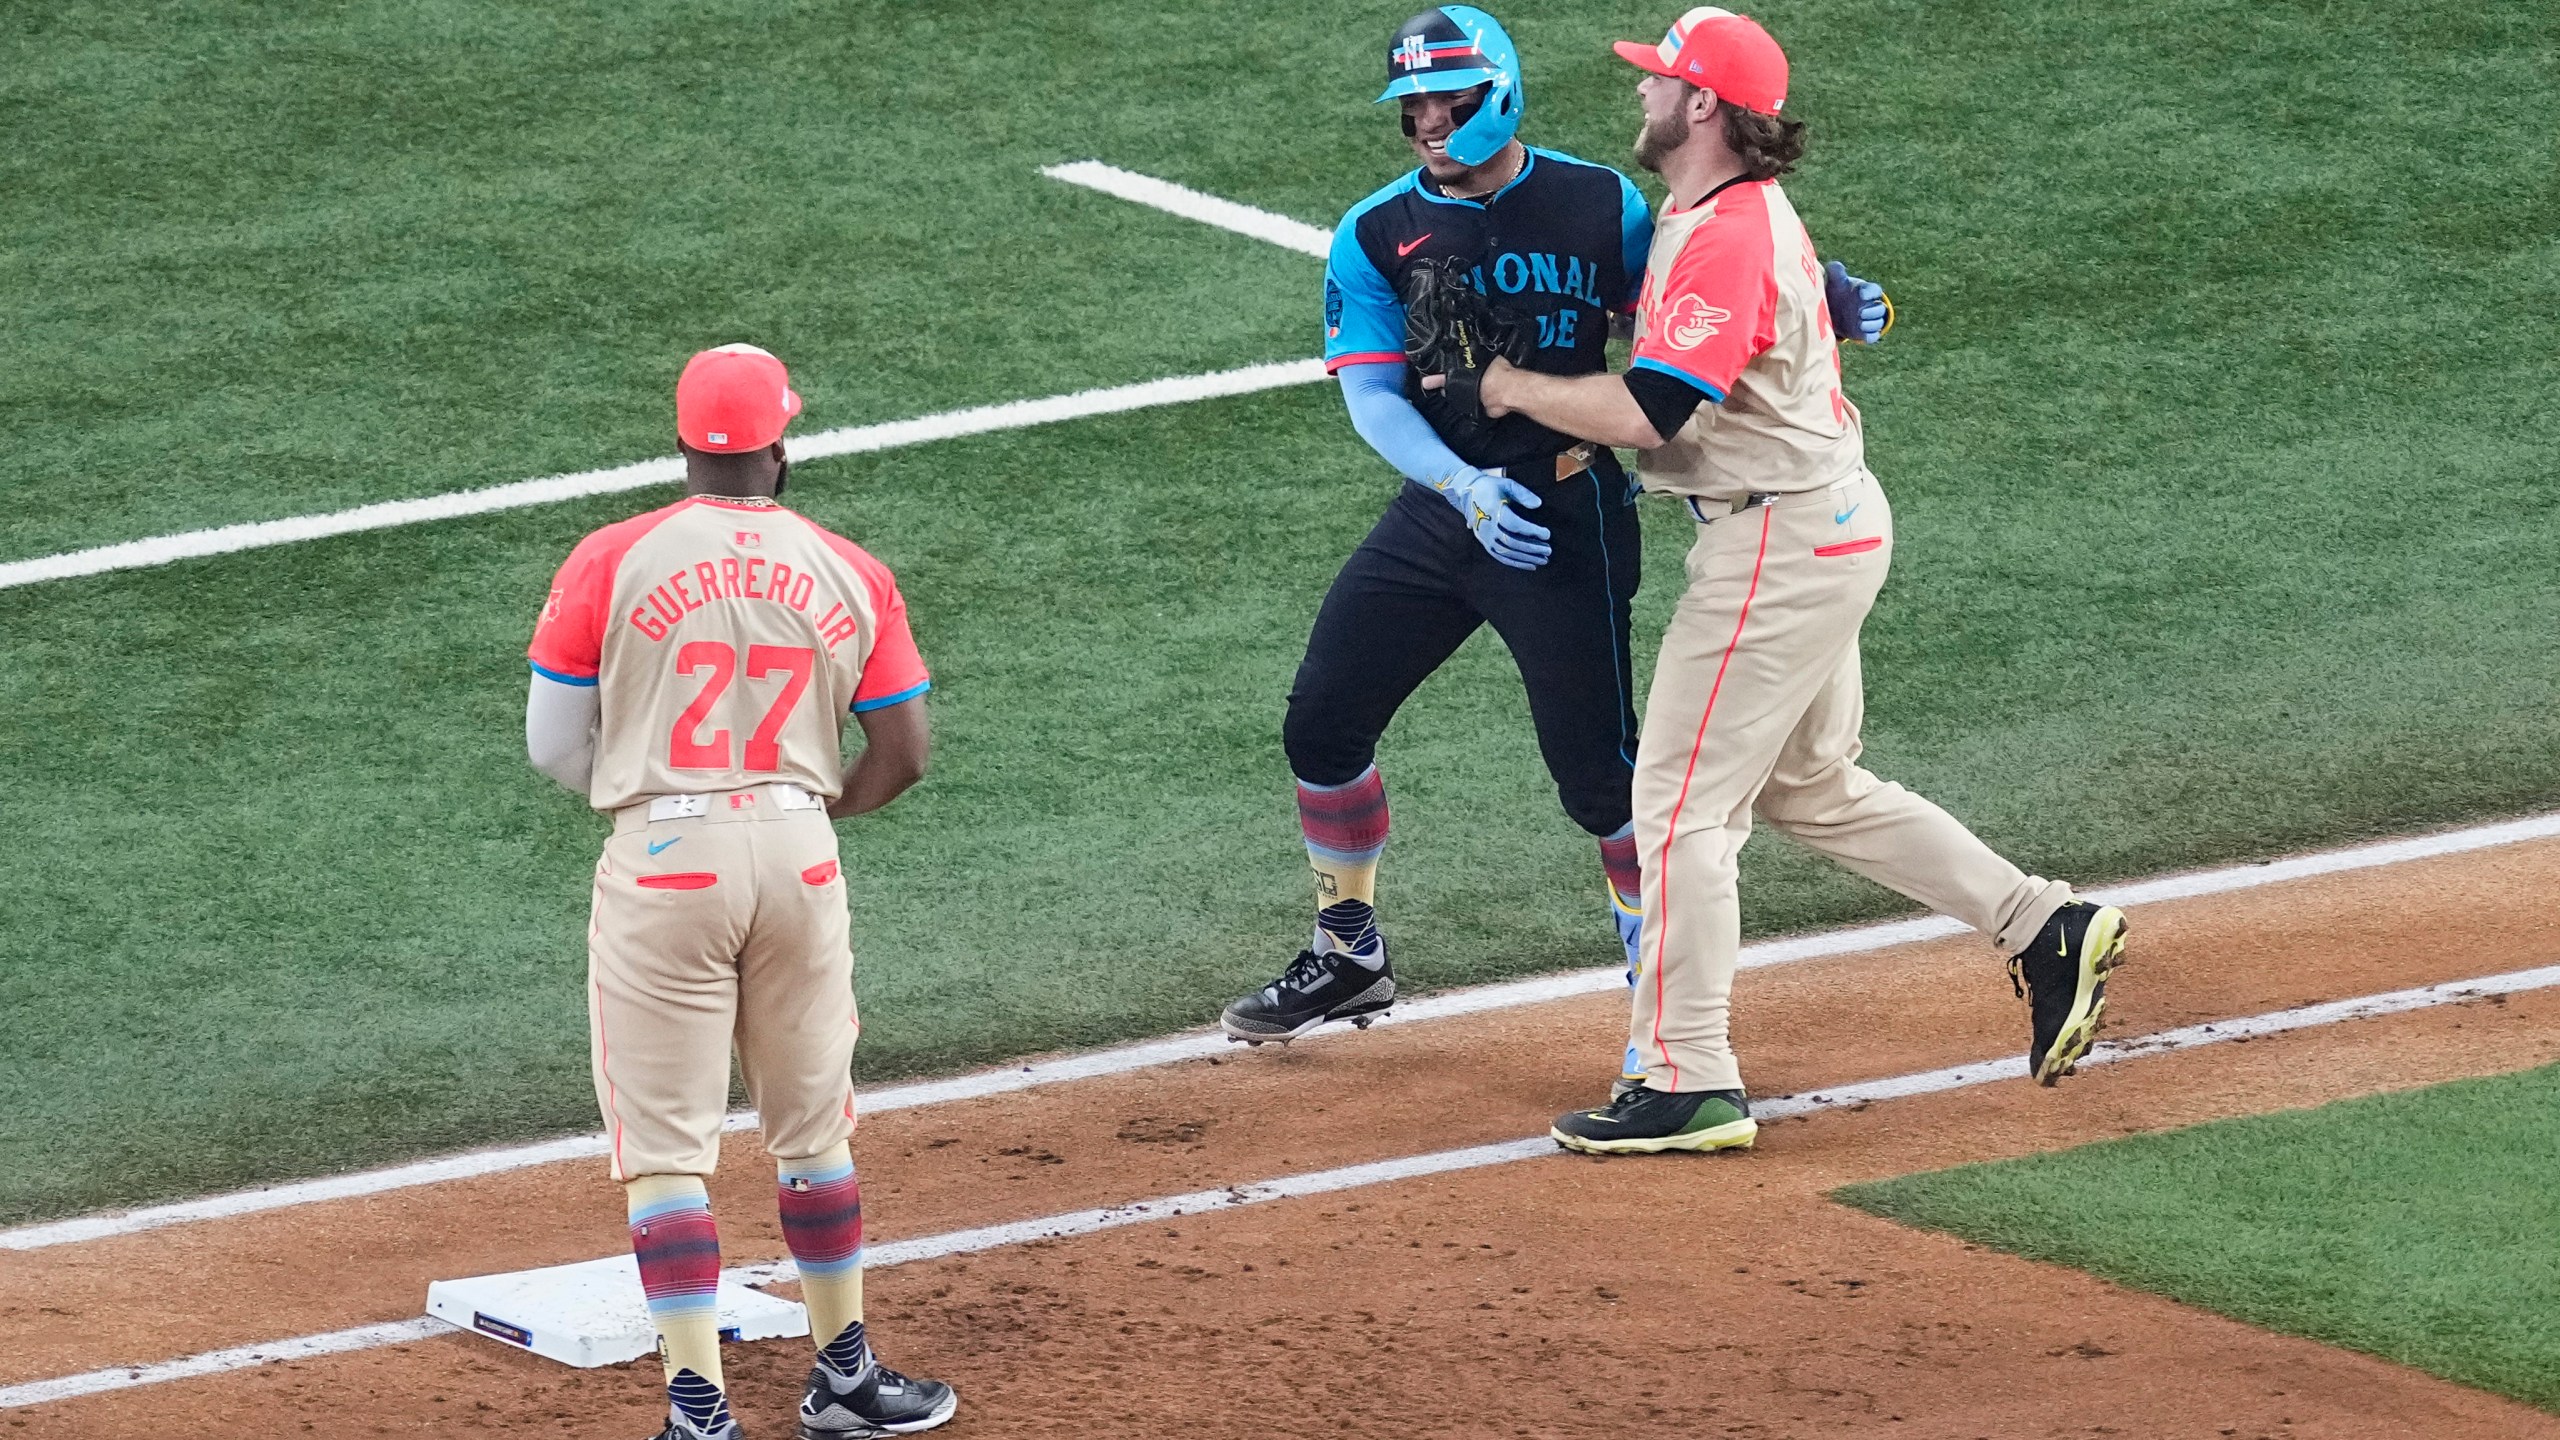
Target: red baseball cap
x=1718 y=50
x=732 y=399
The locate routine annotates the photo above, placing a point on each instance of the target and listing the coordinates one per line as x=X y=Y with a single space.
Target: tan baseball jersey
x=1733 y=304
x=1758 y=696
x=729 y=639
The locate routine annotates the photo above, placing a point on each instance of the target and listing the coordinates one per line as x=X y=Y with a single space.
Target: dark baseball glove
x=1451 y=329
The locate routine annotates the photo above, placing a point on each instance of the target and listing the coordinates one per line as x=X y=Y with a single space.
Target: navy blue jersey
x=1559 y=247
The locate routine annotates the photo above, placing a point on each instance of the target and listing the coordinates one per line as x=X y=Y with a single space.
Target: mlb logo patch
x=742 y=802
x=748 y=540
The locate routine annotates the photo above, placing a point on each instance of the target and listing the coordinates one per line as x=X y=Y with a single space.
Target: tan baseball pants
x=1757 y=702
x=713 y=929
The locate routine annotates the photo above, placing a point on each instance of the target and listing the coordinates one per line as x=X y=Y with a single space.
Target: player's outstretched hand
x=1860 y=310
x=1491 y=506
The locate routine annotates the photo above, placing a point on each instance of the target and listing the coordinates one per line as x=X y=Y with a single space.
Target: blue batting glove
x=1859 y=309
x=1490 y=504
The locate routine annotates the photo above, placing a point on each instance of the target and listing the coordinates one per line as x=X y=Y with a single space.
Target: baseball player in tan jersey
x=692 y=671
x=1734 y=396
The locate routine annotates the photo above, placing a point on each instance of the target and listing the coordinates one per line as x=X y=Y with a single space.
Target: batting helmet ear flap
x=1482 y=135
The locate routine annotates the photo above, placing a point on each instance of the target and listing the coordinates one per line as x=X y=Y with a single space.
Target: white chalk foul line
x=849 y=440
x=215 y=1362
x=1175 y=1049
x=1192 y=204
x=1348 y=1177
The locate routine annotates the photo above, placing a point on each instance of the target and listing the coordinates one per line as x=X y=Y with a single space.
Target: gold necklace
x=1497 y=188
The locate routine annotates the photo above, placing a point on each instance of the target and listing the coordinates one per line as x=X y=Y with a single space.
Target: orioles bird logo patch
x=1690 y=322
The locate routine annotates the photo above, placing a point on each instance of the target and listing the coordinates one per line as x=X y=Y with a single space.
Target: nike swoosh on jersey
x=1415 y=243
x=657 y=845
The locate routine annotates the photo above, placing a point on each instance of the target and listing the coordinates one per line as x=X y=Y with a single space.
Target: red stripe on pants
x=1662 y=865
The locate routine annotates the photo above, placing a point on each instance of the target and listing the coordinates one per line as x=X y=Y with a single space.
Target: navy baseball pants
x=1420 y=585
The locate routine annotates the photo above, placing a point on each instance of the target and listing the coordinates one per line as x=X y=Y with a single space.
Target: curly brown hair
x=1769 y=145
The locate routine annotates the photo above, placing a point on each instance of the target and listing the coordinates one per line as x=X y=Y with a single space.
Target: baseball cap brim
x=1642 y=56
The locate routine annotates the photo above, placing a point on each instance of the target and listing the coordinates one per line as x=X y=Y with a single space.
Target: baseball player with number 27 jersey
x=693 y=669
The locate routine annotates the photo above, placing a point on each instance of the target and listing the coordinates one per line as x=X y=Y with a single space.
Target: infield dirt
x=1717 y=1295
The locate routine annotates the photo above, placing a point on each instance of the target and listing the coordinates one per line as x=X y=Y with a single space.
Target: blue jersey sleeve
x=1363 y=321
x=1374 y=394
x=1635 y=220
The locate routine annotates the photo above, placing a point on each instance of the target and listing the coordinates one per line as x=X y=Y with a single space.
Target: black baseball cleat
x=879 y=1401
x=2062 y=975
x=1643 y=1121
x=1315 y=988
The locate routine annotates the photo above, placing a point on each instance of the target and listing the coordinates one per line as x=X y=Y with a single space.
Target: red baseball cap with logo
x=1718 y=50
x=733 y=399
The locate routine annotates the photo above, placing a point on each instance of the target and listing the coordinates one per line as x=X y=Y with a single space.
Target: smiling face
x=1429 y=121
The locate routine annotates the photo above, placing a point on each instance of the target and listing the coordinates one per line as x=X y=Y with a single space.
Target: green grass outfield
x=2219 y=429
x=2415 y=1226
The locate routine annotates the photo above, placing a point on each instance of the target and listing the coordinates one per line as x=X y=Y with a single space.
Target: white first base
x=592 y=1313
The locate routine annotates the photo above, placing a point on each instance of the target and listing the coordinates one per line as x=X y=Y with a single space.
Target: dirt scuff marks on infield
x=1709 y=1295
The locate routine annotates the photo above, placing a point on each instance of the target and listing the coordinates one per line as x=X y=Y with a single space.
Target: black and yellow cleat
x=1639 y=1121
x=2062 y=975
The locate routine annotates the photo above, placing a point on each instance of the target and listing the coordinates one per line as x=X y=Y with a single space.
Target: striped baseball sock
x=1346 y=829
x=822 y=1223
x=678 y=1247
x=1626 y=907
x=1626 y=879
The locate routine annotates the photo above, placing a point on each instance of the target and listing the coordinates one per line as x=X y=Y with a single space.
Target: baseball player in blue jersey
x=1502 y=522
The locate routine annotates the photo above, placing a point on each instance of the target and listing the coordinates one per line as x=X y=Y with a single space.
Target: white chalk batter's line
x=1192 y=204
x=850 y=440
x=1122 y=1059
x=1348 y=1177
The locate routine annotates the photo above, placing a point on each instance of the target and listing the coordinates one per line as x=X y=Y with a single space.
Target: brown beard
x=1659 y=138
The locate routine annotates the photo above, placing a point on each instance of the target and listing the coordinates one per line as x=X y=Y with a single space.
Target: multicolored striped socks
x=822 y=1224
x=678 y=1246
x=1346 y=830
x=1626 y=891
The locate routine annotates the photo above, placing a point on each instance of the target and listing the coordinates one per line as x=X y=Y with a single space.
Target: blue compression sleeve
x=1374 y=394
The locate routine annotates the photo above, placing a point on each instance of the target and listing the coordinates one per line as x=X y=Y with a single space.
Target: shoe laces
x=2018 y=974
x=1623 y=1100
x=1304 y=973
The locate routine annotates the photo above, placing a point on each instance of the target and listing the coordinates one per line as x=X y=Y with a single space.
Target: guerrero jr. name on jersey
x=731 y=578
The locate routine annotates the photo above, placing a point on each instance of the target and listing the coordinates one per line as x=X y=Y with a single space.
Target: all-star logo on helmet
x=1455 y=48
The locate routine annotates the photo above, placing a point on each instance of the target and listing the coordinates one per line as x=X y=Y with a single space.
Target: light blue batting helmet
x=1459 y=47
